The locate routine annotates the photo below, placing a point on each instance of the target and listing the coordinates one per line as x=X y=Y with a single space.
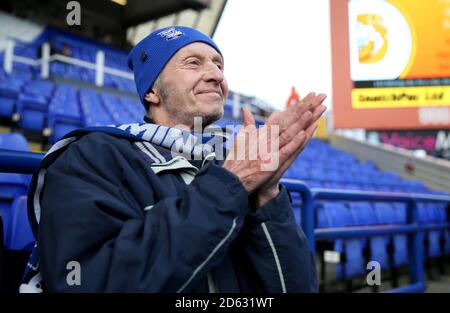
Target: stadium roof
x=114 y=21
x=205 y=20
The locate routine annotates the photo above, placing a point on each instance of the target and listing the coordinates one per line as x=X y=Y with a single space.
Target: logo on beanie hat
x=171 y=33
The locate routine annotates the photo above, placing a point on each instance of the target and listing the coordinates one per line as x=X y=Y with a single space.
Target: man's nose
x=213 y=73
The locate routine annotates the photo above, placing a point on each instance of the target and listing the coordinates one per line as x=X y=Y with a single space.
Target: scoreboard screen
x=391 y=63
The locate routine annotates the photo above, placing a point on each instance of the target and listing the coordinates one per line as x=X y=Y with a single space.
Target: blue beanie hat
x=148 y=58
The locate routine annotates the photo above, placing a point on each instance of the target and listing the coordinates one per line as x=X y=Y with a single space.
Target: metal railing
x=99 y=65
x=26 y=162
x=13 y=161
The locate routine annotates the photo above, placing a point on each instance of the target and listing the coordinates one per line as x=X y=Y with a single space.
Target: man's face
x=193 y=84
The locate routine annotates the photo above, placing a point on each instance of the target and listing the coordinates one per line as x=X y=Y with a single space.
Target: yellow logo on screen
x=400 y=97
x=373 y=45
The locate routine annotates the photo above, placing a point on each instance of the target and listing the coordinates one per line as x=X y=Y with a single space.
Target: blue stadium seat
x=61 y=125
x=369 y=187
x=297 y=215
x=364 y=215
x=318 y=174
x=9 y=91
x=334 y=176
x=228 y=110
x=442 y=216
x=33 y=111
x=400 y=210
x=336 y=214
x=426 y=216
x=19 y=235
x=41 y=88
x=94 y=112
x=361 y=177
x=64 y=113
x=296 y=206
x=333 y=185
x=313 y=183
x=352 y=186
x=13 y=141
x=116 y=109
x=295 y=173
x=386 y=215
x=11 y=185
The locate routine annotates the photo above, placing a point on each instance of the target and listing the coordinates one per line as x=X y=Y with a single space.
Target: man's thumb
x=247 y=117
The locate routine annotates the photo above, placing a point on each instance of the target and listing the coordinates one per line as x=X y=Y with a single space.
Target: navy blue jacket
x=137 y=219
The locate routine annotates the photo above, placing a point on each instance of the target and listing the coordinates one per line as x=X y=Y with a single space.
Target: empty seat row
x=62 y=108
x=359 y=251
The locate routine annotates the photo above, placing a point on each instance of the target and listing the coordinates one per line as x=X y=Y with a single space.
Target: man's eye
x=193 y=62
x=219 y=66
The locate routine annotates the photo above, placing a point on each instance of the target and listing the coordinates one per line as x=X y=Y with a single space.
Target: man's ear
x=152 y=96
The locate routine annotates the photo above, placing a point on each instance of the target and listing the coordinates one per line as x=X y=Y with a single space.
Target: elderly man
x=118 y=211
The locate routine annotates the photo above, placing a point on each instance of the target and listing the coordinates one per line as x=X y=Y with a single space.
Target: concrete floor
x=439 y=284
x=435 y=282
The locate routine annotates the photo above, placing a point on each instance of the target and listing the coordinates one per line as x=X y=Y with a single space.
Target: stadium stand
x=324 y=166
